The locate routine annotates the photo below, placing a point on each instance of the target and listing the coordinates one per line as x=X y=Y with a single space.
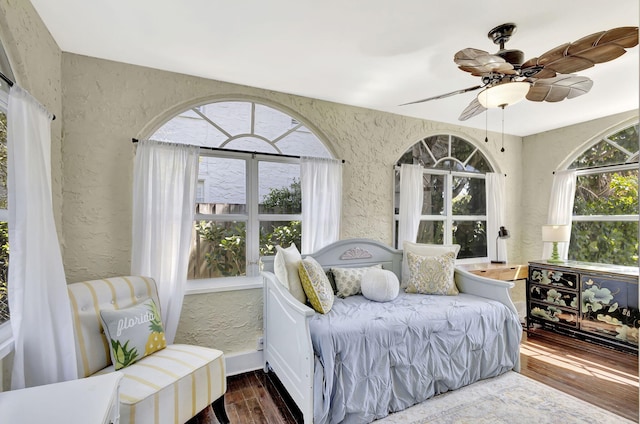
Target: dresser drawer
x=553 y=314
x=553 y=296
x=555 y=278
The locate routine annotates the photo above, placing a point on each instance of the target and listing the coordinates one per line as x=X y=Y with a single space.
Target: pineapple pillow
x=133 y=332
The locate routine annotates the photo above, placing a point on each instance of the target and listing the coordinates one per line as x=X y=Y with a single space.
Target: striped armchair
x=168 y=386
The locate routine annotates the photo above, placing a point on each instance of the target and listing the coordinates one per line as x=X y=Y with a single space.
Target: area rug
x=507 y=399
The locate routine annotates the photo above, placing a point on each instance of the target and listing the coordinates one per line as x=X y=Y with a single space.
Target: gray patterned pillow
x=348 y=279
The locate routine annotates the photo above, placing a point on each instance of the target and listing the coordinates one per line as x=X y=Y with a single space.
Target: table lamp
x=503 y=233
x=554 y=233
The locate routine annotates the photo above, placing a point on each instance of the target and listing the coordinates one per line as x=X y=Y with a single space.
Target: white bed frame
x=287 y=342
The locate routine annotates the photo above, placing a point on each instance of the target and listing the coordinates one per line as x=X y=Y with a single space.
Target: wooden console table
x=504 y=272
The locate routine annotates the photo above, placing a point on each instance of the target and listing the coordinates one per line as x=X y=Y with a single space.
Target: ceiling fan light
x=504 y=94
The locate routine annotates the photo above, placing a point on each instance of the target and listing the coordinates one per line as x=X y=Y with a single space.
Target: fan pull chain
x=486 y=124
x=502 y=149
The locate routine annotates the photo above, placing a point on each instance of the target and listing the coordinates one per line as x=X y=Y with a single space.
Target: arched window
x=605 y=212
x=454 y=206
x=248 y=193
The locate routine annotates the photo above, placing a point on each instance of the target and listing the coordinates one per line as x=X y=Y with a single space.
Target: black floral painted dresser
x=594 y=302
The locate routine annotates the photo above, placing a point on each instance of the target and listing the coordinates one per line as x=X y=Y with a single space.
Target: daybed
x=364 y=359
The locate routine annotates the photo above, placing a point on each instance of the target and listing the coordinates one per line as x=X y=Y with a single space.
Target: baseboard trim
x=241 y=362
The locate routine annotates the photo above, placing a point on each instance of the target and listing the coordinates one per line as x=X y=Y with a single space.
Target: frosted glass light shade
x=557 y=233
x=504 y=94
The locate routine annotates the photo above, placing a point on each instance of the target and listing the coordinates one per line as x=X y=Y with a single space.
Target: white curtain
x=495 y=187
x=164 y=184
x=40 y=310
x=563 y=190
x=321 y=186
x=411 y=198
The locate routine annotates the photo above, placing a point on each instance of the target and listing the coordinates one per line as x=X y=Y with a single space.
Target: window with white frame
x=454 y=206
x=248 y=193
x=5 y=68
x=605 y=213
x=4 y=213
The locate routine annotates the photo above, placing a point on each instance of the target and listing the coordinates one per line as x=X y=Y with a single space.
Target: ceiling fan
x=506 y=78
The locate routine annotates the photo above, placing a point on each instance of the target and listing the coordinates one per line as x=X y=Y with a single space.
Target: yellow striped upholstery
x=168 y=386
x=87 y=298
x=172 y=385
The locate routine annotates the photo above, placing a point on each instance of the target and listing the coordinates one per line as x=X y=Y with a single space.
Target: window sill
x=215 y=285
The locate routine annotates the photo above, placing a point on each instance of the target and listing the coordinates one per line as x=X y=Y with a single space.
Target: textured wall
x=230 y=321
x=107 y=103
x=35 y=61
x=546 y=152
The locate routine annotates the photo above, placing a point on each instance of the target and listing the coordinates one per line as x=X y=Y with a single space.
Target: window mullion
x=448 y=193
x=253 y=226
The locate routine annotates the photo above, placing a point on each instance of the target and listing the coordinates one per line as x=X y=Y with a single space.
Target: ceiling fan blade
x=559 y=88
x=586 y=52
x=442 y=96
x=474 y=108
x=478 y=62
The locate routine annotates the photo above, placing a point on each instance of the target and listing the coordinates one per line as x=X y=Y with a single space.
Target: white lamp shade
x=504 y=94
x=558 y=233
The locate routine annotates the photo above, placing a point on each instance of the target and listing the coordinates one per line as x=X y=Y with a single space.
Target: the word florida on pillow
x=133 y=332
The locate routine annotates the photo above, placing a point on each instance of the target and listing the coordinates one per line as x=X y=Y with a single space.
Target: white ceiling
x=370 y=53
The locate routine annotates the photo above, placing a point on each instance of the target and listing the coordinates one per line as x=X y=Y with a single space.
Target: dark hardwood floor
x=598 y=375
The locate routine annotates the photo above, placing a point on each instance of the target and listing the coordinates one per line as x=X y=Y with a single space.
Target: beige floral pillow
x=348 y=280
x=422 y=250
x=432 y=274
x=316 y=285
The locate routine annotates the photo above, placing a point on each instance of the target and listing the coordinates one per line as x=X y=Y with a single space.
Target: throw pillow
x=133 y=332
x=432 y=274
x=348 y=280
x=288 y=275
x=316 y=285
x=423 y=250
x=380 y=285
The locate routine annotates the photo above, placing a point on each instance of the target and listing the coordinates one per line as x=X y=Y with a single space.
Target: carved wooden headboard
x=353 y=253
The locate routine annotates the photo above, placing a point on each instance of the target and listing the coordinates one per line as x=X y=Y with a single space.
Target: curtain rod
x=397 y=166
x=11 y=83
x=217 y=149
x=588 y=168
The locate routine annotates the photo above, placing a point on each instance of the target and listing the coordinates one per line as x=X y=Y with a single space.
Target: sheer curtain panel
x=40 y=310
x=321 y=186
x=164 y=184
x=563 y=191
x=411 y=199
x=495 y=184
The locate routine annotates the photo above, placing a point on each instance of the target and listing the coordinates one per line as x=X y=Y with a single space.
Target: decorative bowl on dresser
x=594 y=302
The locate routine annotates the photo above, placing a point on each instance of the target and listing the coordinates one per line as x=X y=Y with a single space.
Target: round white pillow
x=380 y=285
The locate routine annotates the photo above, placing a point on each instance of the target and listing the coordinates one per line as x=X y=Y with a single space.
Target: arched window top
x=447 y=152
x=618 y=148
x=242 y=125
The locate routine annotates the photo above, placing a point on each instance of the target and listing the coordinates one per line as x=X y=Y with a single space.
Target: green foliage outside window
x=228 y=240
x=612 y=241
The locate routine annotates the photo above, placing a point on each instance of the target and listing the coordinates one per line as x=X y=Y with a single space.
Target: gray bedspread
x=376 y=358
